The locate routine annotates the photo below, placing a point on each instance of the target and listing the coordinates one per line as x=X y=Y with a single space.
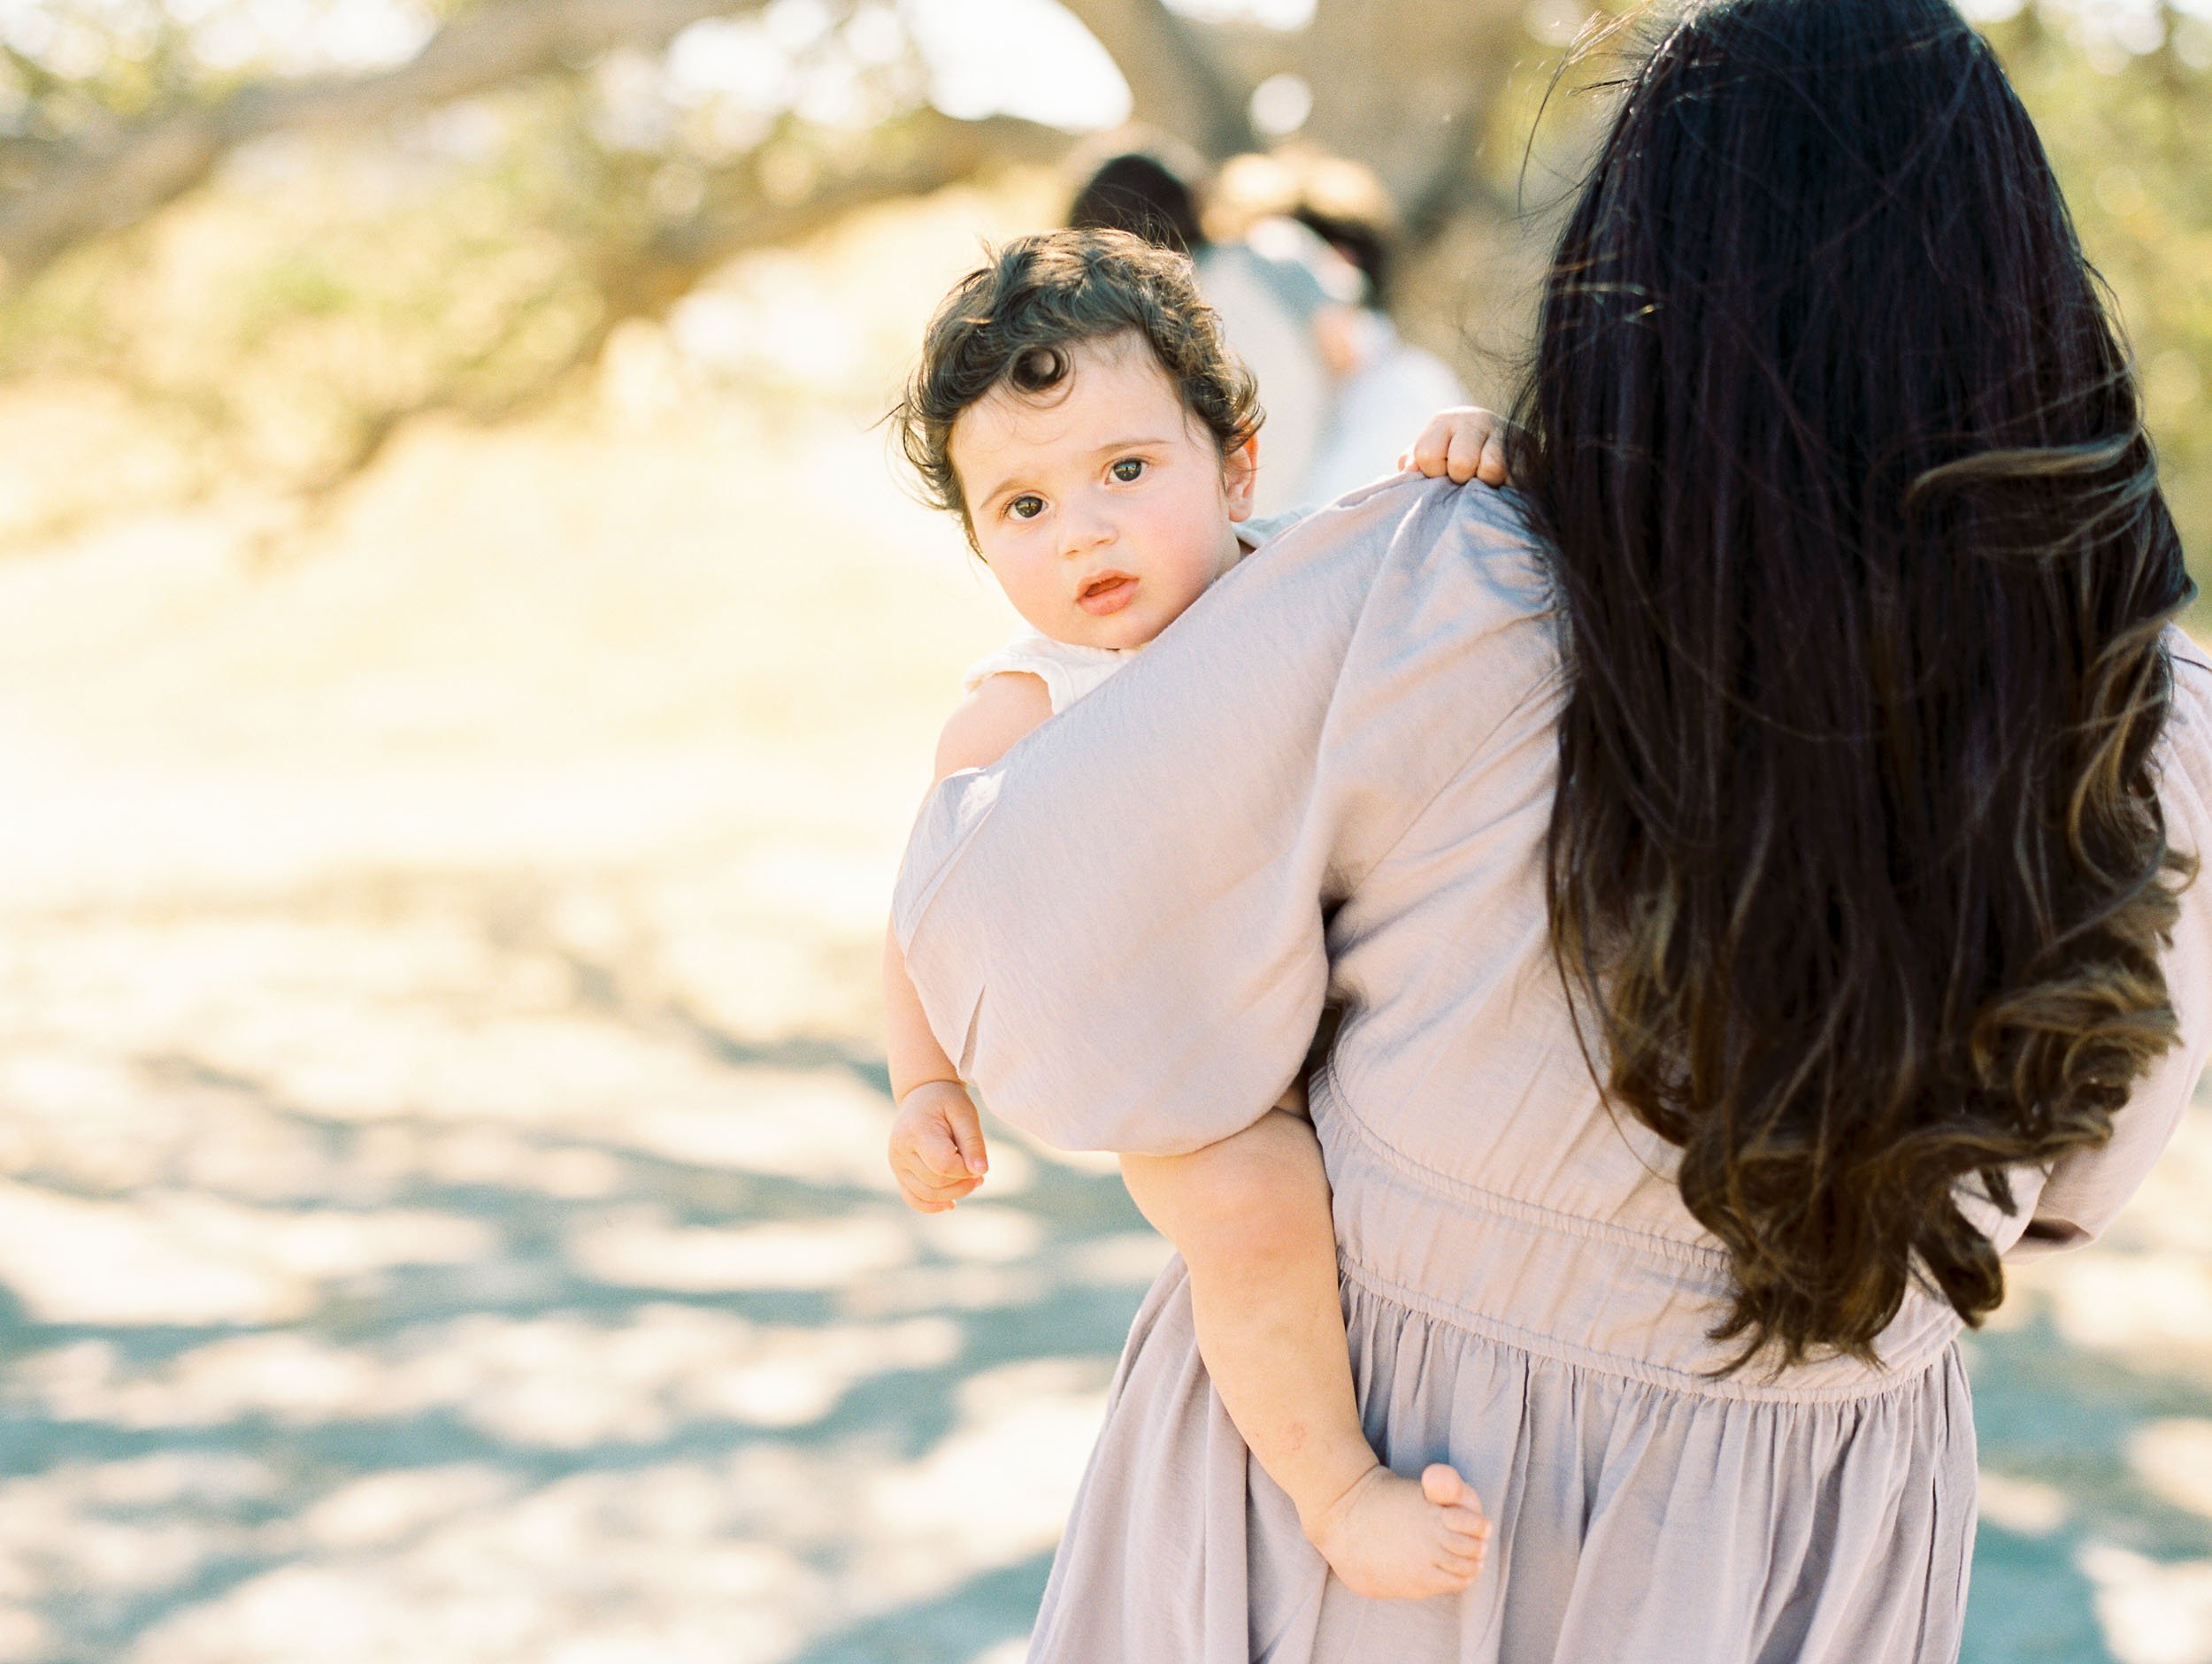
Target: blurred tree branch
x=741 y=211
x=1408 y=88
x=1403 y=85
x=645 y=275
x=119 y=176
x=501 y=284
x=506 y=274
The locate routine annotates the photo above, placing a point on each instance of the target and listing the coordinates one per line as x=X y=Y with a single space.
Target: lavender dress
x=1330 y=781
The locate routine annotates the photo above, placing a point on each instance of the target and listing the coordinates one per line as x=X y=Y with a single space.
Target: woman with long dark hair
x=1752 y=864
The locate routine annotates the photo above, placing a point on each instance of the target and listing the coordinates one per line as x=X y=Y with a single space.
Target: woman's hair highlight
x=1856 y=870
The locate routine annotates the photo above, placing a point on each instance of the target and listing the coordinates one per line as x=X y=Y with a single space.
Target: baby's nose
x=1086 y=531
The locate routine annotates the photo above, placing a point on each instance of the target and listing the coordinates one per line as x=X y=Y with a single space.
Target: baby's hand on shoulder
x=1467 y=442
x=937 y=1152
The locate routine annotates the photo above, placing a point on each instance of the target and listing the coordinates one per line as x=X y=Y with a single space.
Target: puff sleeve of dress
x=2088 y=1188
x=1119 y=931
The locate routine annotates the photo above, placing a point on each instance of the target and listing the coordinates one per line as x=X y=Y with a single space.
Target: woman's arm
x=1123 y=929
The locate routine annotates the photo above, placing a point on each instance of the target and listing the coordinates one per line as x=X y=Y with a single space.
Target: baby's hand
x=937 y=1152
x=1467 y=443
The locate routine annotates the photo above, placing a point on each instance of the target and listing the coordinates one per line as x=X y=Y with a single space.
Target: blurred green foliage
x=2121 y=91
x=282 y=322
x=286 y=319
x=2130 y=132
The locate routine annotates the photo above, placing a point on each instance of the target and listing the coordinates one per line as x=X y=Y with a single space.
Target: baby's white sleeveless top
x=1069 y=670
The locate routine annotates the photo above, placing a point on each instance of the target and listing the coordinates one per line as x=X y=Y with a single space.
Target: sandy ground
x=440 y=1205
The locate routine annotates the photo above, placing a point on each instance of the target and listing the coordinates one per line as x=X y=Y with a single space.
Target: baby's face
x=1103 y=508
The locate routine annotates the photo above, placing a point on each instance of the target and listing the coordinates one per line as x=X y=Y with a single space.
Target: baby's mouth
x=1106 y=593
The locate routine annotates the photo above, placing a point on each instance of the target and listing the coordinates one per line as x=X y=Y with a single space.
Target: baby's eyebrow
x=1000 y=489
x=1141 y=443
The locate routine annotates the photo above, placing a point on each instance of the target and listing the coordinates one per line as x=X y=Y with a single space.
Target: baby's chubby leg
x=1250 y=1216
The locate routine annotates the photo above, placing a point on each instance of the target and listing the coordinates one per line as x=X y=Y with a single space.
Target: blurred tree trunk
x=1178 y=79
x=1407 y=87
x=1404 y=86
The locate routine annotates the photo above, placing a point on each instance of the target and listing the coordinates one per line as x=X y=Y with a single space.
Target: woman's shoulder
x=1454 y=609
x=1404 y=547
x=2186 y=747
x=1415 y=591
x=2193 y=667
x=1470 y=549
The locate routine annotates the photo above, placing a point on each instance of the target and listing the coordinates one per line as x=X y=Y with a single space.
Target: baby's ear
x=1239 y=468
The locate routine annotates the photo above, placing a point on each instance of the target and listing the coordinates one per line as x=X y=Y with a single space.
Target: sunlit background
x=468 y=665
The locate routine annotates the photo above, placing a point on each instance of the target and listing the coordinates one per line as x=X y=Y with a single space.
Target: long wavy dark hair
x=1856 y=871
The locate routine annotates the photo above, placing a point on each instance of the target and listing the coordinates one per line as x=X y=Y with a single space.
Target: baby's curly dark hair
x=1012 y=320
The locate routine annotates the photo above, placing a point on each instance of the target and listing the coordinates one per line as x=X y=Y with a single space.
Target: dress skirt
x=1642 y=1514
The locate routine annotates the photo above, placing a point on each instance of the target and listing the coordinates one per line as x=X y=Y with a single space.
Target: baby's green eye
x=1026 y=507
x=1127 y=469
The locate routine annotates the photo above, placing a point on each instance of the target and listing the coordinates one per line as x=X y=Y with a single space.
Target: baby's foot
x=1393 y=1538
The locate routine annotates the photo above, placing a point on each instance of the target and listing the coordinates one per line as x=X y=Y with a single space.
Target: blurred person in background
x=1756 y=861
x=1381 y=384
x=1303 y=291
x=1272 y=285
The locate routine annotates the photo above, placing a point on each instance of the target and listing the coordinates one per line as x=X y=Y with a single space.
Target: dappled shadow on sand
x=427 y=1284
x=442 y=1211
x=2092 y=1389
x=595 y=1332
x=2093 y=1408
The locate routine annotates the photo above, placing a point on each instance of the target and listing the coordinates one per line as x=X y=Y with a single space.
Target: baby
x=1077 y=407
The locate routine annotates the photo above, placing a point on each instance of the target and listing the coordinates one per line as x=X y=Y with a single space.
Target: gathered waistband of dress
x=1583 y=1292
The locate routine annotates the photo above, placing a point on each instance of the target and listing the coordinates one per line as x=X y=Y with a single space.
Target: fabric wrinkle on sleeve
x=948 y=818
x=2088 y=1188
x=1117 y=929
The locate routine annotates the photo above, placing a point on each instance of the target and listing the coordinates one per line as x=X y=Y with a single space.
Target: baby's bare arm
x=937 y=1151
x=909 y=1049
